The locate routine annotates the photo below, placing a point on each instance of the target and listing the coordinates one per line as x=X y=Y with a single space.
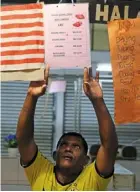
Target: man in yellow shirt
x=71 y=172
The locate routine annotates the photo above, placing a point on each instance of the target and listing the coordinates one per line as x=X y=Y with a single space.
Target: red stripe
x=22 y=16
x=22 y=43
x=31 y=33
x=22 y=61
x=22 y=25
x=23 y=52
x=21 y=7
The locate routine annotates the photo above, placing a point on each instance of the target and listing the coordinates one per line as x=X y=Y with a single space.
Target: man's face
x=70 y=153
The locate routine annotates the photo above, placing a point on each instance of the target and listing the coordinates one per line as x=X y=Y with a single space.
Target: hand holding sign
x=91 y=85
x=38 y=88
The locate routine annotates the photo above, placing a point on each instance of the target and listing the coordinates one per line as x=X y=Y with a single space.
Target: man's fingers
x=90 y=72
x=97 y=76
x=85 y=86
x=44 y=89
x=86 y=81
x=86 y=75
x=47 y=73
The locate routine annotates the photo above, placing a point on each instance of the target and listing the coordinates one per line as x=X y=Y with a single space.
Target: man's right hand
x=25 y=127
x=38 y=88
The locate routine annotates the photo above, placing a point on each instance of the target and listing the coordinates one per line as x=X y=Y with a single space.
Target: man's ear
x=54 y=155
x=87 y=159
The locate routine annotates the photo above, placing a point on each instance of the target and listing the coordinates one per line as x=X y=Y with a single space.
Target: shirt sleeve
x=36 y=169
x=101 y=180
x=96 y=181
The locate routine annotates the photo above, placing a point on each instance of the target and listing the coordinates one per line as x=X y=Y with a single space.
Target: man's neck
x=65 y=177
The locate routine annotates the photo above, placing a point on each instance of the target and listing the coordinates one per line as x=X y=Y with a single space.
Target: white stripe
x=22 y=75
x=20 y=12
x=19 y=57
x=23 y=47
x=17 y=39
x=21 y=66
x=22 y=30
x=25 y=20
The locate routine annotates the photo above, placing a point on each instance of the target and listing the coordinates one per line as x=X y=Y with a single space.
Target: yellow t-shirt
x=41 y=177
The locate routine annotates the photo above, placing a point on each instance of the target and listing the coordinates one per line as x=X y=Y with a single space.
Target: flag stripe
x=19 y=12
x=22 y=25
x=22 y=52
x=22 y=48
x=22 y=7
x=24 y=66
x=3 y=22
x=22 y=16
x=34 y=37
x=22 y=43
x=22 y=30
x=21 y=61
x=31 y=33
x=26 y=56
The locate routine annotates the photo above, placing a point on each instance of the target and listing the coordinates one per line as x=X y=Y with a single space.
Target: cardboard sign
x=67 y=40
x=124 y=38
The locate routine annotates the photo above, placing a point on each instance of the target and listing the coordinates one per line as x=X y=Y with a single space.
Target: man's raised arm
x=107 y=153
x=25 y=126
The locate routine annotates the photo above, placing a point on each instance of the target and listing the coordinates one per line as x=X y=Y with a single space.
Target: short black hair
x=75 y=134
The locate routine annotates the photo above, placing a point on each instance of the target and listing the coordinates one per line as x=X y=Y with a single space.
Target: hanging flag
x=125 y=59
x=22 y=37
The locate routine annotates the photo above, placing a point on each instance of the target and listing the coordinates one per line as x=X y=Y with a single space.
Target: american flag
x=22 y=37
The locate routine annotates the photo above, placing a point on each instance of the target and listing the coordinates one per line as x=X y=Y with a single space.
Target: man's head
x=71 y=152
